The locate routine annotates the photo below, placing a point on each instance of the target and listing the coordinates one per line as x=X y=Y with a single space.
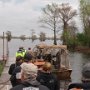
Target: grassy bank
x=1 y=67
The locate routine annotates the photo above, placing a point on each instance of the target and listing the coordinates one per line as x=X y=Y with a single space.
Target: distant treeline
x=19 y=37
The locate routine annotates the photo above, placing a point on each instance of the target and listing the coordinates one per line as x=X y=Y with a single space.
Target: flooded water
x=77 y=60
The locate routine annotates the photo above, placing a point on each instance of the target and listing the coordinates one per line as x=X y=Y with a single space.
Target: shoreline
x=82 y=49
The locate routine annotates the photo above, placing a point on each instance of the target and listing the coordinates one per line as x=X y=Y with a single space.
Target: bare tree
x=8 y=35
x=50 y=19
x=33 y=36
x=72 y=28
x=42 y=36
x=22 y=37
x=54 y=15
x=66 y=14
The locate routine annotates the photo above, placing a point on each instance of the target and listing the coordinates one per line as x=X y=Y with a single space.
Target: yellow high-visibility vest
x=20 y=53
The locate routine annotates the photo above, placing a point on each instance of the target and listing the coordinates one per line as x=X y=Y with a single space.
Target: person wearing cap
x=21 y=52
x=45 y=77
x=18 y=62
x=85 y=85
x=28 y=78
x=16 y=75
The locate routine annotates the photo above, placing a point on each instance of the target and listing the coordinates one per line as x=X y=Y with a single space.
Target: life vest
x=24 y=51
x=20 y=53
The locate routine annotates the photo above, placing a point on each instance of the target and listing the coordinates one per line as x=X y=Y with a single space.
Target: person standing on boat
x=31 y=52
x=21 y=52
x=19 y=61
x=16 y=75
x=28 y=78
x=45 y=77
x=85 y=85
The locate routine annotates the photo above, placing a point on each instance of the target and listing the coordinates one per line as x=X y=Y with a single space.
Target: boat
x=58 y=56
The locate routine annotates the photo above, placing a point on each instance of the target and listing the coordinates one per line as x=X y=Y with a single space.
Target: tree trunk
x=55 y=41
x=65 y=33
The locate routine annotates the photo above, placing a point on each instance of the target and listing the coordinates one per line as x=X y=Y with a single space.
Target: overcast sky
x=21 y=16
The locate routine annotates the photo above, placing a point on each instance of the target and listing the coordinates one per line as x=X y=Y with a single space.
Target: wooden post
x=3 y=46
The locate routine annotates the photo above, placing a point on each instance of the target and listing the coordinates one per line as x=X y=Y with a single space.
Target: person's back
x=12 y=70
x=16 y=75
x=47 y=78
x=30 y=86
x=15 y=79
x=28 y=77
x=12 y=67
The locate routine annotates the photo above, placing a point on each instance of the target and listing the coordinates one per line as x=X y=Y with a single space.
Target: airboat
x=57 y=55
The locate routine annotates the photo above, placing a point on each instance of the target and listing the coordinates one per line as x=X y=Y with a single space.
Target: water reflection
x=77 y=61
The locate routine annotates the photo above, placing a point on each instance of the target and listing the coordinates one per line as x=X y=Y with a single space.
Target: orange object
x=76 y=89
x=39 y=63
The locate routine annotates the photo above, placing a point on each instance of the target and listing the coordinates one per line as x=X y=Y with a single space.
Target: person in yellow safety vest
x=21 y=52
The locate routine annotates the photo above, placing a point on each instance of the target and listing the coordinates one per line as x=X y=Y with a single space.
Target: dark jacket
x=49 y=80
x=12 y=67
x=84 y=86
x=13 y=79
x=30 y=85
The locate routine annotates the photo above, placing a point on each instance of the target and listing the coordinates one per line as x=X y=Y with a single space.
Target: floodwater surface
x=77 y=60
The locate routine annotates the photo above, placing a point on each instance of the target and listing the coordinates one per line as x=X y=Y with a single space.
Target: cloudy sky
x=21 y=16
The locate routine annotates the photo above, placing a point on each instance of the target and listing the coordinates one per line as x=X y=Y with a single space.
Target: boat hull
x=63 y=74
